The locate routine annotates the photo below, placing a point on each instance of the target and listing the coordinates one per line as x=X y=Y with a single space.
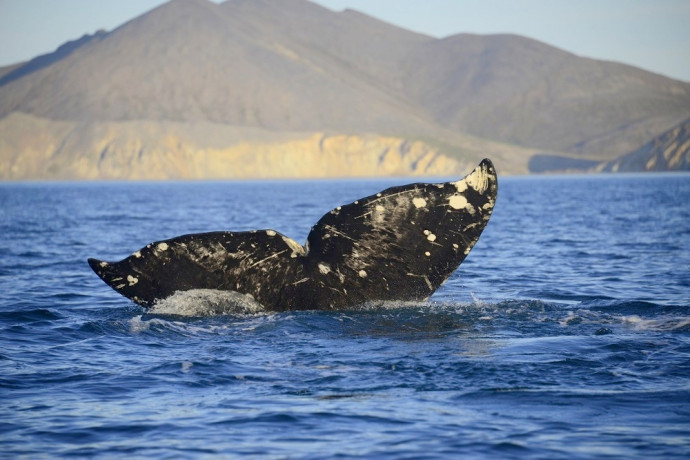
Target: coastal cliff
x=156 y=151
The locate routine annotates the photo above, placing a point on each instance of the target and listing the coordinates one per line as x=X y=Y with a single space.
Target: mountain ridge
x=294 y=66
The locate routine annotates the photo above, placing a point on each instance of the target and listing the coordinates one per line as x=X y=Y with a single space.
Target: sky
x=651 y=34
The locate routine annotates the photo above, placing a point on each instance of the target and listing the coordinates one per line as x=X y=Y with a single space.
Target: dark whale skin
x=399 y=244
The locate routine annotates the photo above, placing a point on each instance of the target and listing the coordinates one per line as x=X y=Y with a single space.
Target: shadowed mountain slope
x=669 y=151
x=525 y=92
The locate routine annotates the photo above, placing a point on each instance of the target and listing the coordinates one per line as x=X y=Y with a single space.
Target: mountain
x=521 y=91
x=192 y=76
x=669 y=151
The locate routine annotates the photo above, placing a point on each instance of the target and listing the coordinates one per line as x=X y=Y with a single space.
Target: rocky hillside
x=267 y=73
x=668 y=152
x=171 y=150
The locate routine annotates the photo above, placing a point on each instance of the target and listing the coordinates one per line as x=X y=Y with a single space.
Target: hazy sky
x=652 y=34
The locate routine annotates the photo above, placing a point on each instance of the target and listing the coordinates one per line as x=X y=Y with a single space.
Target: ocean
x=564 y=334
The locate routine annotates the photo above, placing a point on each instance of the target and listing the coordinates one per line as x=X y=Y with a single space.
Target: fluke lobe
x=399 y=244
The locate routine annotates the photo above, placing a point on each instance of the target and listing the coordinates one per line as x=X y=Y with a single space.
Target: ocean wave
x=447 y=315
x=658 y=324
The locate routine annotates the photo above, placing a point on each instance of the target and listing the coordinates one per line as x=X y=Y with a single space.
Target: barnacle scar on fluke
x=399 y=244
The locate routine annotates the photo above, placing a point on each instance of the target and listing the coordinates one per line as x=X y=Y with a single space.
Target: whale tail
x=399 y=244
x=122 y=280
x=105 y=270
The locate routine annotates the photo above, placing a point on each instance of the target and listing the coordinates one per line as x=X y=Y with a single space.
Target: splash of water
x=207 y=302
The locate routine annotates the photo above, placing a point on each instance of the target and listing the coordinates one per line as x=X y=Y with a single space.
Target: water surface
x=565 y=333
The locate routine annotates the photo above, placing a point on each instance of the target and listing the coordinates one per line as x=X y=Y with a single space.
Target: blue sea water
x=565 y=334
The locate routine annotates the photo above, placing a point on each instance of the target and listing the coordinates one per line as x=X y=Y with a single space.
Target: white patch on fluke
x=162 y=247
x=132 y=280
x=270 y=233
x=478 y=180
x=379 y=214
x=419 y=202
x=295 y=247
x=457 y=202
x=324 y=269
x=460 y=186
x=431 y=237
x=362 y=274
x=137 y=254
x=427 y=253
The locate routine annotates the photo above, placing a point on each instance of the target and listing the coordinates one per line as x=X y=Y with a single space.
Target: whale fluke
x=399 y=244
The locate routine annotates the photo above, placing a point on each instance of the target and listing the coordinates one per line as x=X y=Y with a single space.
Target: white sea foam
x=669 y=323
x=139 y=324
x=136 y=325
x=207 y=302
